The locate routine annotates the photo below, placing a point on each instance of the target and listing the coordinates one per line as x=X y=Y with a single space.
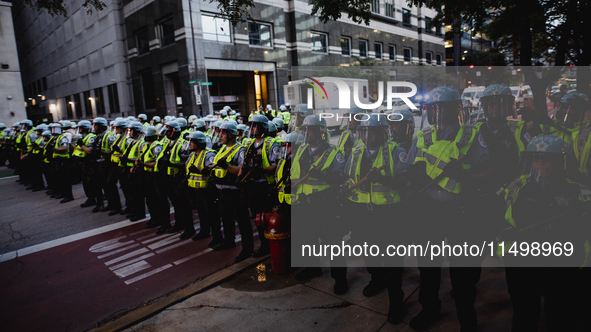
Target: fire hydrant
x=278 y=232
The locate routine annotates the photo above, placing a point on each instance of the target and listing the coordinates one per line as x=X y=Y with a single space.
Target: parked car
x=472 y=95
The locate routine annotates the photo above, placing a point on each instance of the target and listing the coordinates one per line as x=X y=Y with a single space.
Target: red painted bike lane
x=72 y=287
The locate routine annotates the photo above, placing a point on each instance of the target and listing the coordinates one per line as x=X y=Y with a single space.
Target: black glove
x=287 y=188
x=79 y=142
x=116 y=148
x=222 y=163
x=315 y=173
x=194 y=169
x=374 y=176
x=454 y=170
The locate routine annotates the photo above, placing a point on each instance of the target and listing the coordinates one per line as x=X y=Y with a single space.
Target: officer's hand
x=454 y=170
x=343 y=191
x=222 y=163
x=116 y=148
x=194 y=169
x=79 y=142
x=374 y=175
x=315 y=173
x=139 y=163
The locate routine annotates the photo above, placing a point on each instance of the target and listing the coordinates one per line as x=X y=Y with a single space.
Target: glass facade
x=259 y=34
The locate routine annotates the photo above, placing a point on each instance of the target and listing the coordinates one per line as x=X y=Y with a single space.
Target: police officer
x=215 y=138
x=117 y=171
x=257 y=172
x=143 y=119
x=441 y=182
x=48 y=170
x=185 y=130
x=199 y=125
x=201 y=189
x=375 y=202
x=191 y=119
x=574 y=105
x=82 y=158
x=224 y=115
x=270 y=112
x=272 y=131
x=173 y=158
x=132 y=154
x=102 y=155
x=147 y=170
x=286 y=116
x=36 y=159
x=156 y=120
x=316 y=173
x=402 y=128
x=282 y=174
x=24 y=144
x=233 y=115
x=279 y=124
x=299 y=113
x=227 y=167
x=547 y=207
x=61 y=161
x=347 y=139
x=4 y=134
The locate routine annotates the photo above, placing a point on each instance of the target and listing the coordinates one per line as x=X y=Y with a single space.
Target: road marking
x=159 y=237
x=173 y=246
x=112 y=246
x=131 y=269
x=9 y=177
x=164 y=242
x=126 y=256
x=119 y=250
x=192 y=256
x=105 y=243
x=115 y=267
x=145 y=275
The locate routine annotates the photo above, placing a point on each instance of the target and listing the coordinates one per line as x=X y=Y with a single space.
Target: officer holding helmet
x=401 y=125
x=317 y=170
x=257 y=171
x=227 y=166
x=348 y=139
x=547 y=207
x=82 y=158
x=375 y=202
x=443 y=162
x=201 y=188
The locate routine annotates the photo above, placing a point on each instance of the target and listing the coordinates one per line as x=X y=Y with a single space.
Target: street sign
x=205 y=83
x=193 y=82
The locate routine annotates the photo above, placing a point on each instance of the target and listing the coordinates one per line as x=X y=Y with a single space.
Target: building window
x=166 y=31
x=259 y=34
x=319 y=42
x=375 y=6
x=406 y=17
x=438 y=59
x=87 y=103
x=77 y=106
x=98 y=101
x=392 y=52
x=148 y=90
x=69 y=107
x=427 y=23
x=389 y=8
x=113 y=98
x=216 y=29
x=346 y=46
x=378 y=49
x=407 y=54
x=438 y=30
x=363 y=48
x=142 y=42
x=429 y=57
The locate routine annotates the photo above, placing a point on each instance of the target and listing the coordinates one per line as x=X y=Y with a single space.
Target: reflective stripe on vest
x=198 y=181
x=282 y=196
x=149 y=157
x=28 y=139
x=219 y=172
x=286 y=116
x=516 y=128
x=78 y=152
x=379 y=193
x=120 y=142
x=437 y=154
x=312 y=185
x=39 y=141
x=267 y=144
x=134 y=153
x=45 y=156
x=565 y=136
x=343 y=139
x=105 y=148
x=175 y=158
x=62 y=154
x=581 y=146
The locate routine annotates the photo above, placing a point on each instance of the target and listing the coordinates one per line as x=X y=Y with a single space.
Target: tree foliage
x=57 y=7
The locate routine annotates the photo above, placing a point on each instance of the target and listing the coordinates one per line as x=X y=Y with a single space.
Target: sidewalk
x=263 y=301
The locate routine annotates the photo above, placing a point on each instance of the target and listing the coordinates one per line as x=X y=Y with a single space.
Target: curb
x=162 y=303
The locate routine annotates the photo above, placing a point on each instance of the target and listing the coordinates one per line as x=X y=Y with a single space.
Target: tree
x=56 y=7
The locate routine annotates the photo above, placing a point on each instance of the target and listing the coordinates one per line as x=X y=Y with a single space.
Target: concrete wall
x=12 y=99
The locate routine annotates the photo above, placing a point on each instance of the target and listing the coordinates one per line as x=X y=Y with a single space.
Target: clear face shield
x=542 y=167
x=56 y=130
x=215 y=138
x=398 y=129
x=372 y=137
x=312 y=135
x=285 y=152
x=569 y=115
x=444 y=114
x=295 y=122
x=497 y=108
